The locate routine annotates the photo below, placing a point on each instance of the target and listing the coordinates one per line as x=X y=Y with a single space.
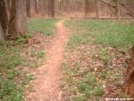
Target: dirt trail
x=47 y=80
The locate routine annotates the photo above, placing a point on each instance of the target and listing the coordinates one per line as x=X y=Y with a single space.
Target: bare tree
x=117 y=9
x=3 y=20
x=86 y=8
x=31 y=7
x=8 y=4
x=52 y=8
x=42 y=6
x=68 y=3
x=3 y=15
x=37 y=5
x=96 y=9
x=2 y=34
x=17 y=26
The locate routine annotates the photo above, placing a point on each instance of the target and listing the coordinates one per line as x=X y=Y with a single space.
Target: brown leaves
x=107 y=65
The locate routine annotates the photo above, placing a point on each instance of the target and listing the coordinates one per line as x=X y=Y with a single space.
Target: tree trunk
x=49 y=7
x=68 y=6
x=37 y=6
x=17 y=26
x=2 y=36
x=96 y=9
x=42 y=7
x=117 y=9
x=31 y=7
x=86 y=8
x=28 y=8
x=52 y=9
x=3 y=15
x=8 y=4
x=128 y=86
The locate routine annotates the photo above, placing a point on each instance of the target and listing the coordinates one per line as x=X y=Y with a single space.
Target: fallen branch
x=126 y=8
x=131 y=13
x=110 y=4
x=2 y=4
x=128 y=13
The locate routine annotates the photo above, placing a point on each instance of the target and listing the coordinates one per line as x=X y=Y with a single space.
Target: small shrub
x=41 y=54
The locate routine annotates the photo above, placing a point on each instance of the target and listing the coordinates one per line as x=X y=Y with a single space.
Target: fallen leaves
x=107 y=65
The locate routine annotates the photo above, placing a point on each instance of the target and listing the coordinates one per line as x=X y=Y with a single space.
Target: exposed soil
x=46 y=84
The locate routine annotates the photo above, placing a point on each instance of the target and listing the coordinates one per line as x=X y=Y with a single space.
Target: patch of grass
x=22 y=40
x=93 y=62
x=104 y=56
x=108 y=33
x=12 y=79
x=43 y=26
x=103 y=74
x=10 y=90
x=34 y=58
x=78 y=39
x=41 y=54
x=82 y=84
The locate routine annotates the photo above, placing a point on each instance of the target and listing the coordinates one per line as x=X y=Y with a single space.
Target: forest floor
x=87 y=66
x=96 y=59
x=66 y=60
x=48 y=76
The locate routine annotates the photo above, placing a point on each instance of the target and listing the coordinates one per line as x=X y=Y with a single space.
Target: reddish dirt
x=47 y=82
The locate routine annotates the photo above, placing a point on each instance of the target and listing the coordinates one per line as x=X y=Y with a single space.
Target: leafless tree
x=3 y=20
x=17 y=26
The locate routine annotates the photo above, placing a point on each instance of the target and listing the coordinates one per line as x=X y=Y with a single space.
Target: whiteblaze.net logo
x=119 y=99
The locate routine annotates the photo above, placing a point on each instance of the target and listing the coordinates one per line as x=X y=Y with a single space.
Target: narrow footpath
x=47 y=82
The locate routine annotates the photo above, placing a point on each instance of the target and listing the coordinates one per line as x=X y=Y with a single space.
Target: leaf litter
x=93 y=72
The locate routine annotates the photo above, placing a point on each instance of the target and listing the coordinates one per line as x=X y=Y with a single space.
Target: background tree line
x=14 y=12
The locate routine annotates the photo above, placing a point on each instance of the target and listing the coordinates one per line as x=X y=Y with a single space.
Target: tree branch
x=110 y=4
x=2 y=4
x=127 y=8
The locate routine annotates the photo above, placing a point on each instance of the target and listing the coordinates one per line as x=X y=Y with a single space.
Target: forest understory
x=96 y=59
x=66 y=50
x=94 y=65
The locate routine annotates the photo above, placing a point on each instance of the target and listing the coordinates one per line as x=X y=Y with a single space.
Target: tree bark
x=2 y=34
x=117 y=9
x=7 y=2
x=128 y=86
x=96 y=9
x=49 y=7
x=31 y=7
x=17 y=25
x=42 y=4
x=28 y=8
x=52 y=9
x=68 y=8
x=86 y=8
x=3 y=15
x=37 y=5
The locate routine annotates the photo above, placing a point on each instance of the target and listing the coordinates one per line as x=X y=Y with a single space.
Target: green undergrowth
x=14 y=57
x=12 y=80
x=18 y=57
x=81 y=84
x=95 y=59
x=43 y=26
x=105 y=32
